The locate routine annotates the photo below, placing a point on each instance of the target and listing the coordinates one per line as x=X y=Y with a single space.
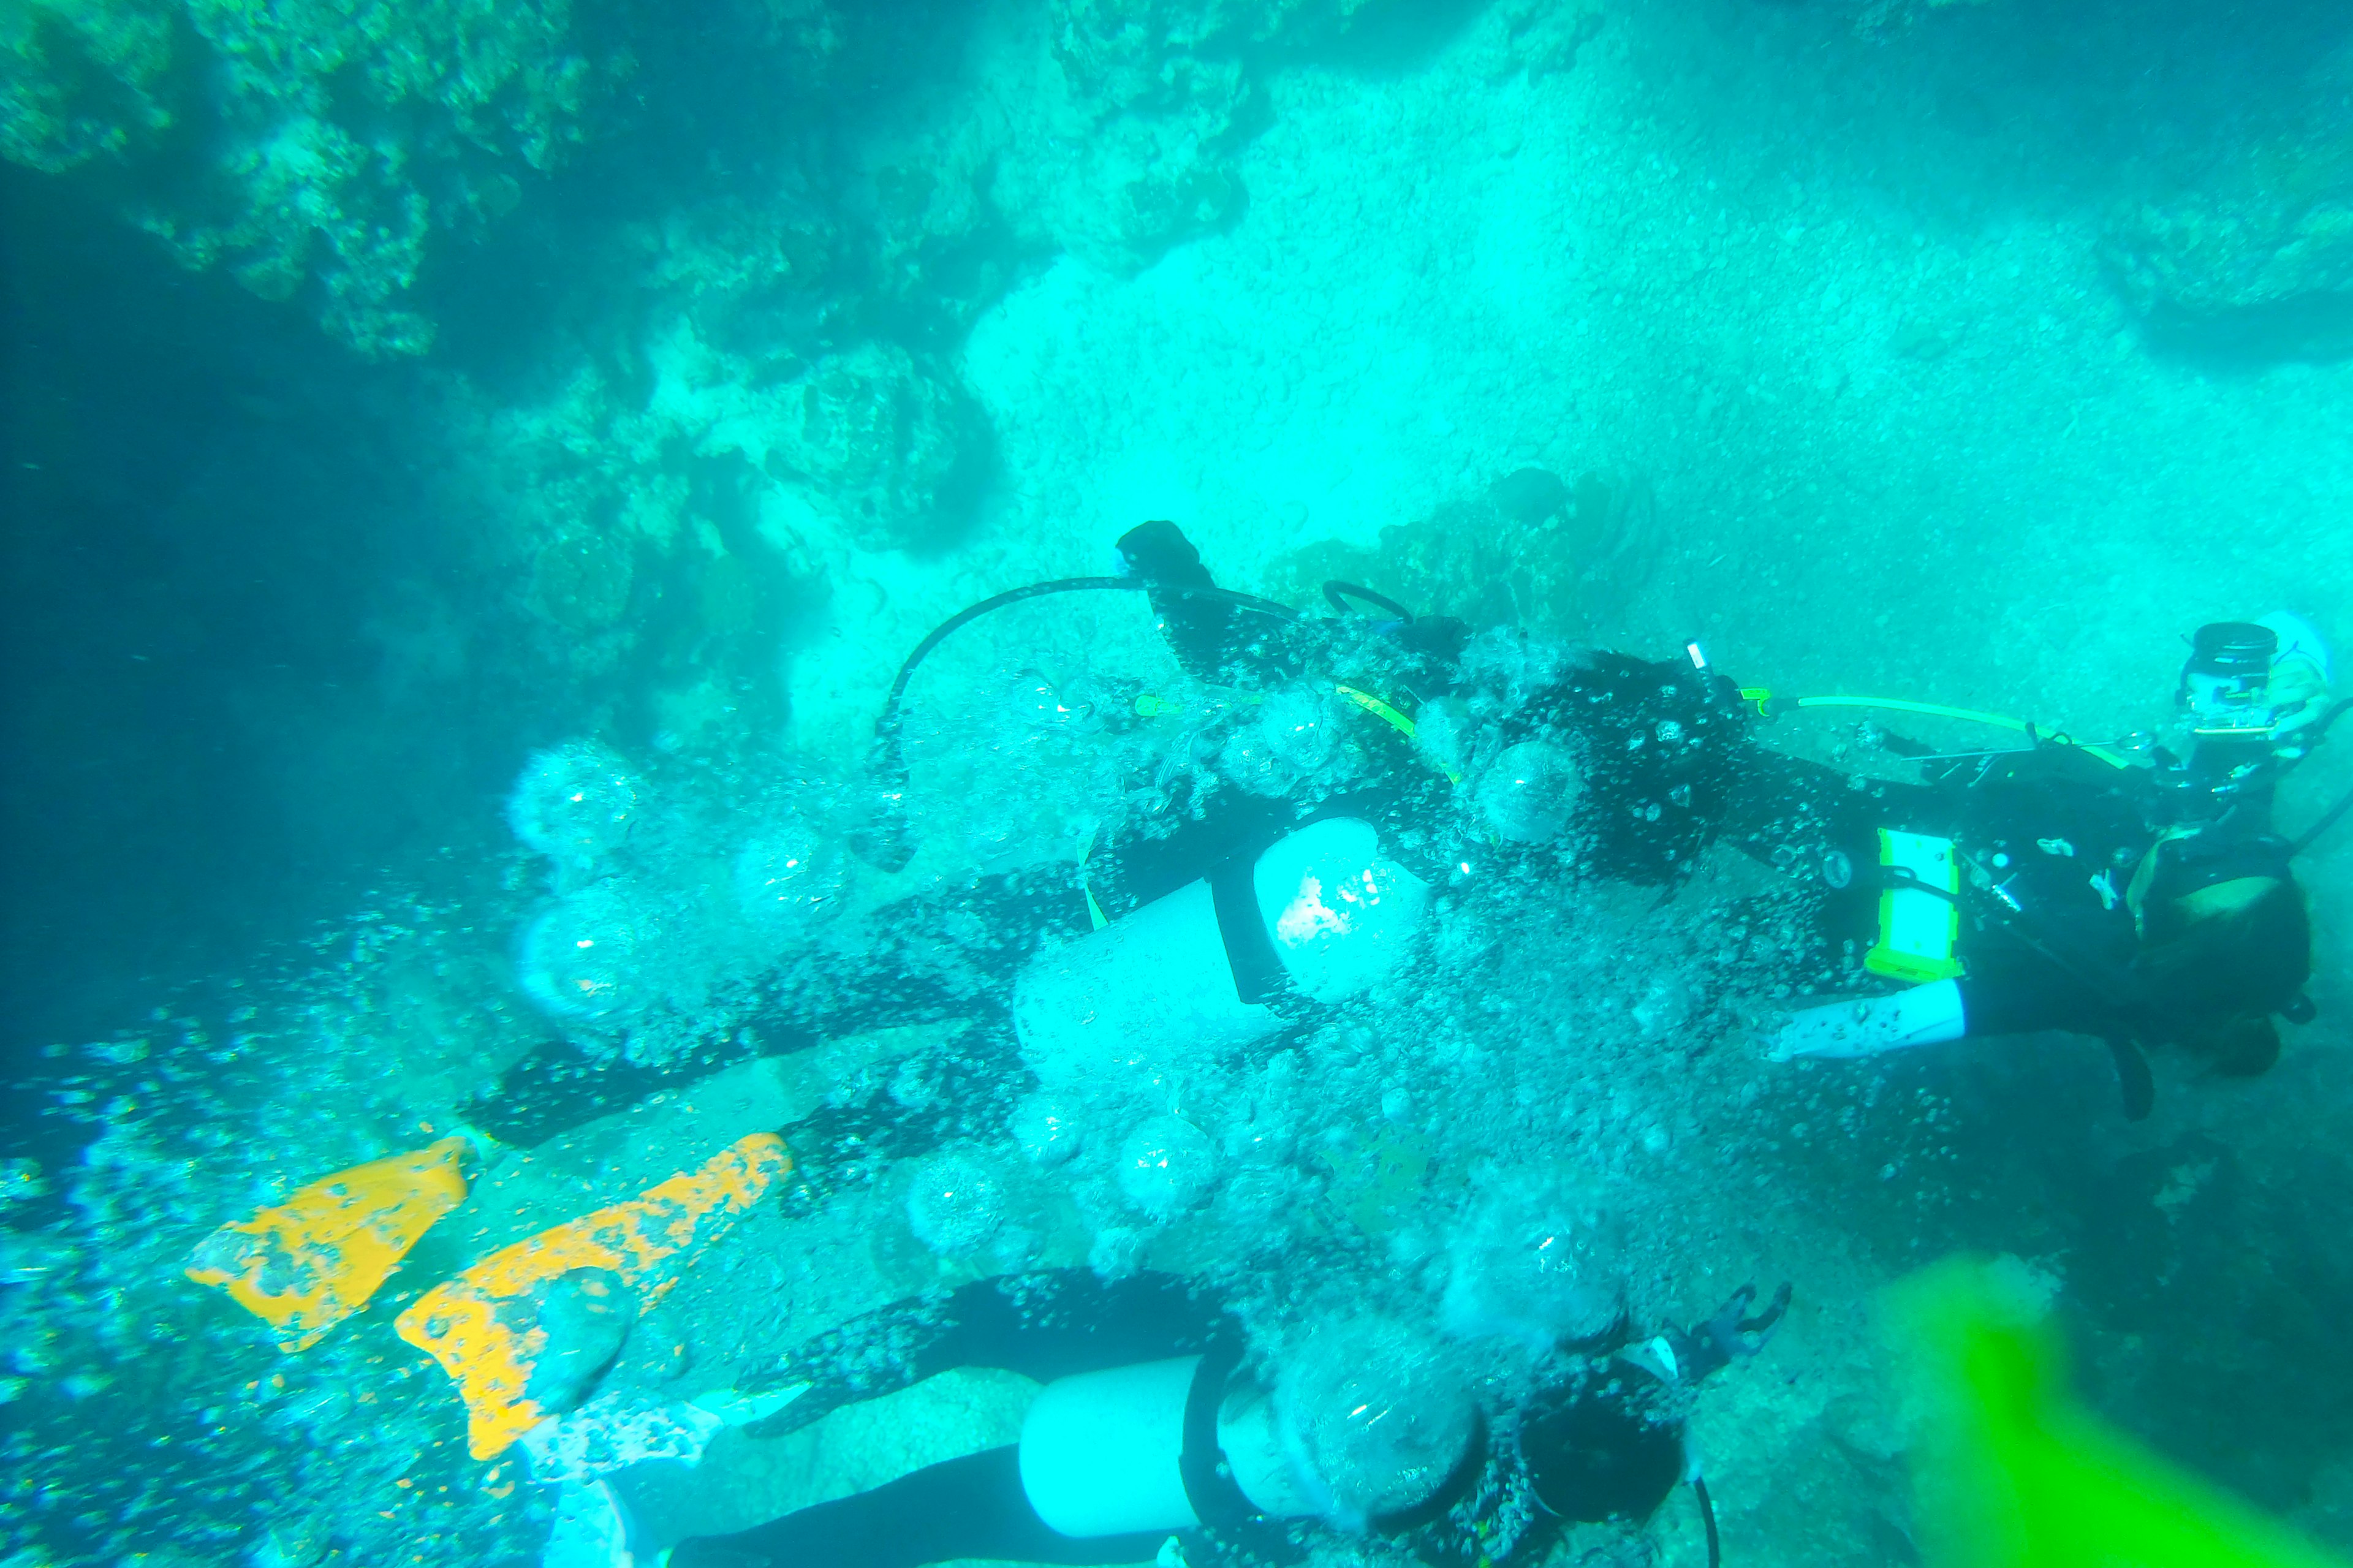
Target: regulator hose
x=887 y=845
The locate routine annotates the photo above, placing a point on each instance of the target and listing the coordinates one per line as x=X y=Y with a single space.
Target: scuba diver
x=1155 y=1421
x=1273 y=885
x=1518 y=759
x=2062 y=887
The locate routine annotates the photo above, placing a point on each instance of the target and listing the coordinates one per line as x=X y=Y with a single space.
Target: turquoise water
x=418 y=415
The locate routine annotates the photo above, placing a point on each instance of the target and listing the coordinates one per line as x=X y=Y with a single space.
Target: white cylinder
x=1137 y=999
x=1339 y=916
x=1101 y=1452
x=1153 y=990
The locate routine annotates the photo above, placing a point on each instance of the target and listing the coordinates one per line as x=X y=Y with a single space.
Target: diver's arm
x=2011 y=1000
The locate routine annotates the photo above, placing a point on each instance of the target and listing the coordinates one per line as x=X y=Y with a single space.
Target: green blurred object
x=2025 y=1477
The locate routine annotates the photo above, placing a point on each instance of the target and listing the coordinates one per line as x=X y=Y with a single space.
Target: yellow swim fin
x=305 y=1265
x=2026 y=1478
x=484 y=1326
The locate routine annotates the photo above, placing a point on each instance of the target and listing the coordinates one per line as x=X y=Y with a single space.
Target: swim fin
x=484 y=1324
x=305 y=1265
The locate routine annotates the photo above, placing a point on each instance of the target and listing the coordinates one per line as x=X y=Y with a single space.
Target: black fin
x=2134 y=1078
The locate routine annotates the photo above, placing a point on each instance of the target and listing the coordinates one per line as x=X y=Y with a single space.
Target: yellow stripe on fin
x=482 y=1325
x=305 y=1265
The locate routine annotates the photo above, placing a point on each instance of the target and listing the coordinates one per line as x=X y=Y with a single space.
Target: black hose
x=2328 y=819
x=1707 y=1517
x=888 y=724
x=1338 y=594
x=886 y=844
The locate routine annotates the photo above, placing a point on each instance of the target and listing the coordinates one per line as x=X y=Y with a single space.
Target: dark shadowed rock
x=1529 y=495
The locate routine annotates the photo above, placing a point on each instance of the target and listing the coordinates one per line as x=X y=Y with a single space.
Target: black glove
x=1732 y=1334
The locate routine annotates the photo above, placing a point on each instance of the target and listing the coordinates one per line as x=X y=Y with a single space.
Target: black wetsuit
x=1043 y=1326
x=1615 y=1430
x=2054 y=933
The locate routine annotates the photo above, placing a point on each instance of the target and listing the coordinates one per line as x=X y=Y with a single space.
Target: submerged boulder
x=878 y=443
x=2250 y=257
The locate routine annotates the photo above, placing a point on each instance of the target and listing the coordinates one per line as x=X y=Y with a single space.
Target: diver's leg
x=1042 y=1325
x=1070 y=1320
x=931 y=958
x=967 y=1508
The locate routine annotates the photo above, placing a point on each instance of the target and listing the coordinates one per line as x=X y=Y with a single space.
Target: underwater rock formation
x=1119 y=141
x=315 y=149
x=327 y=142
x=2254 y=261
x=1533 y=551
x=875 y=444
x=2258 y=270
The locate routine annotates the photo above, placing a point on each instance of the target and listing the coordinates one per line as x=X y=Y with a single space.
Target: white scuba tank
x=1157 y=987
x=1102 y=1453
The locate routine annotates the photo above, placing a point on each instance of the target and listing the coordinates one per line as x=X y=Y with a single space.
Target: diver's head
x=1603 y=1450
x=2229 y=951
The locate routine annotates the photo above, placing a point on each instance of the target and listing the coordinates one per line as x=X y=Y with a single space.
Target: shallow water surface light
x=1202 y=781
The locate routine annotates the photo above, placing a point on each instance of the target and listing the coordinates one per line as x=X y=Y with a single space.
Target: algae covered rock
x=305 y=145
x=2261 y=270
x=1124 y=141
x=1534 y=551
x=82 y=81
x=875 y=442
x=2253 y=258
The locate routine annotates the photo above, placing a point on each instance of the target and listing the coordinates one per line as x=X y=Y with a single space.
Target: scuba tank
x=1357 y=1431
x=1222 y=962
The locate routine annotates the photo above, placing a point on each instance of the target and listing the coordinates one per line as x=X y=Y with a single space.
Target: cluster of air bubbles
x=1046 y=1130
x=1379 y=1413
x=586 y=955
x=1077 y=705
x=1166 y=1166
x=1292 y=736
x=790 y=876
x=661 y=896
x=1443 y=731
x=1503 y=666
x=955 y=1203
x=576 y=804
x=1528 y=792
x=1531 y=1265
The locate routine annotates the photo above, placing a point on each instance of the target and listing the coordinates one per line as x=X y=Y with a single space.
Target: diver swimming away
x=1371 y=775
